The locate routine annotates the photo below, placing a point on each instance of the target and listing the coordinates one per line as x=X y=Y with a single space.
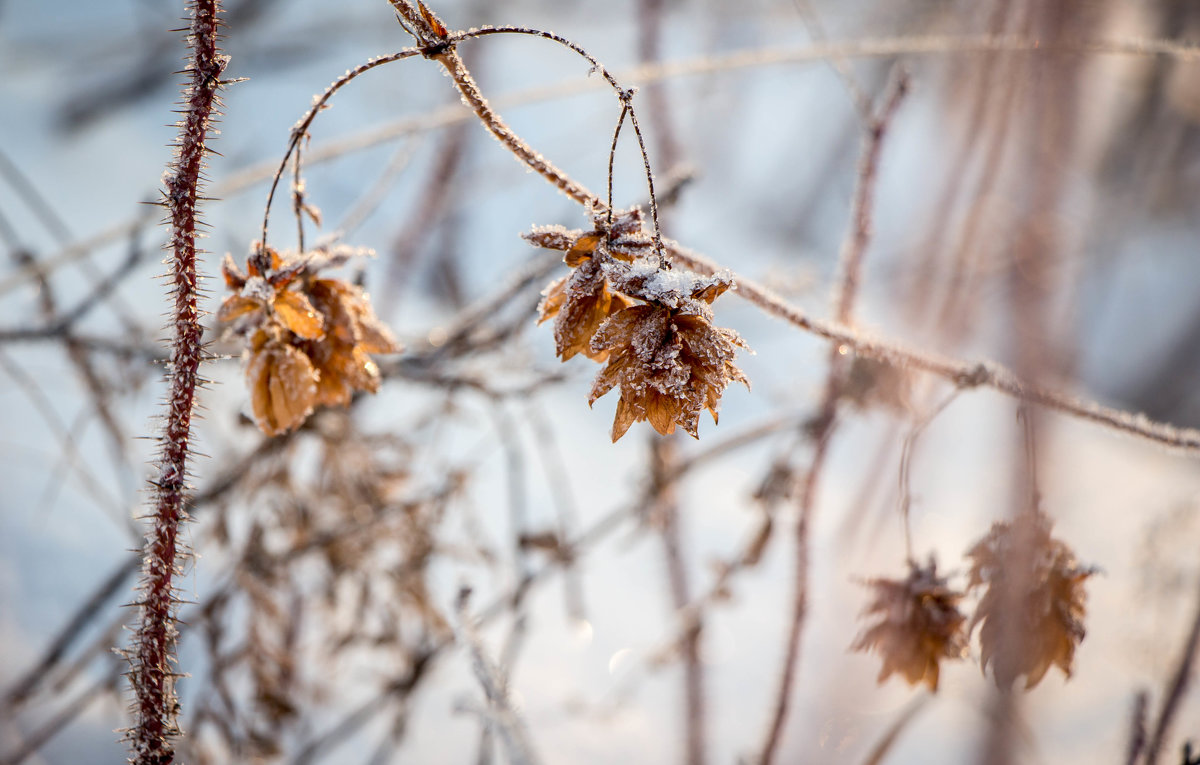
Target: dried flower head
x=670 y=362
x=308 y=339
x=1033 y=609
x=918 y=624
x=579 y=303
x=650 y=323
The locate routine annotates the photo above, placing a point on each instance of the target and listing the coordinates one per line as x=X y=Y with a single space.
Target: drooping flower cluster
x=650 y=324
x=308 y=339
x=1032 y=611
x=918 y=624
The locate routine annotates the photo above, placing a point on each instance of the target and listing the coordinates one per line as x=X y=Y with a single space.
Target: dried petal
x=236 y=306
x=582 y=249
x=552 y=299
x=627 y=414
x=298 y=314
x=283 y=386
x=234 y=278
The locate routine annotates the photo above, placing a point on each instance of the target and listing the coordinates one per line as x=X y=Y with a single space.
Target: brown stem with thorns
x=151 y=674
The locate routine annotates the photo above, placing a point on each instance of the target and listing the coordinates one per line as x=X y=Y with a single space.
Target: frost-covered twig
x=965 y=374
x=151 y=654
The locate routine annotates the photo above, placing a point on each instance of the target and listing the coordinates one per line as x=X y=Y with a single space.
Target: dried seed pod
x=1032 y=612
x=668 y=359
x=918 y=625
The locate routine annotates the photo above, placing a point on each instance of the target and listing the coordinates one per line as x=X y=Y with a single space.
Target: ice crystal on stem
x=918 y=625
x=650 y=323
x=1032 y=612
x=309 y=339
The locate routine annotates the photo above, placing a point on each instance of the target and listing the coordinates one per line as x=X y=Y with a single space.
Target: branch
x=151 y=654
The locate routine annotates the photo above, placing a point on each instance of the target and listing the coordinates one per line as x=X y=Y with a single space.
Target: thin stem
x=301 y=127
x=151 y=655
x=637 y=130
x=450 y=59
x=612 y=158
x=298 y=197
x=906 y=455
x=1176 y=688
x=862 y=213
x=858 y=239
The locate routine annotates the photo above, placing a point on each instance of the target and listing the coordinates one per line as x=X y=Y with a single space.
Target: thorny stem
x=151 y=660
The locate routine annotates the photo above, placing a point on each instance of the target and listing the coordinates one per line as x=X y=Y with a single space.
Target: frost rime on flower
x=651 y=324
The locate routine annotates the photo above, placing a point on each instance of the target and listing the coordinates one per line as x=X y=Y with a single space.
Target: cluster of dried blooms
x=918 y=625
x=1030 y=616
x=308 y=339
x=650 y=325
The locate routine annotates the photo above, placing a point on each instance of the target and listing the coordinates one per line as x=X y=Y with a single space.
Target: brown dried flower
x=308 y=339
x=670 y=362
x=918 y=625
x=1033 y=609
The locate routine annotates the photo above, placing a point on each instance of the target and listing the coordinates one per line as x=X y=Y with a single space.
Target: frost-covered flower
x=918 y=625
x=579 y=303
x=670 y=362
x=1033 y=609
x=652 y=324
x=308 y=340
